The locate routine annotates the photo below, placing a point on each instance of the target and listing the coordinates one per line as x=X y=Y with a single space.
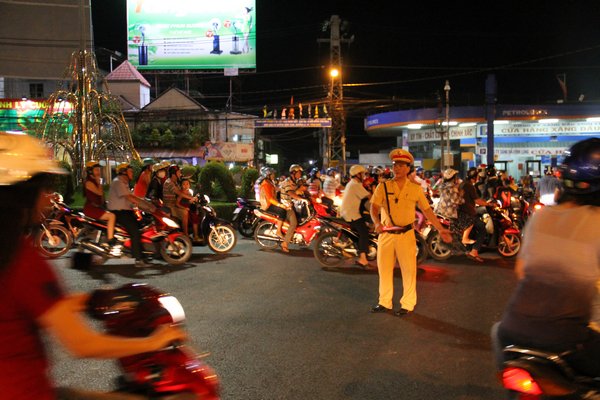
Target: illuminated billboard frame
x=191 y=34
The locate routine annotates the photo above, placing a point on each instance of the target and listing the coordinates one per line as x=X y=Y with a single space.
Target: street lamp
x=334 y=72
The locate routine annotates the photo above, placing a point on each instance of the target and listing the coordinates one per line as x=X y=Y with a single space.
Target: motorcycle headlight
x=170 y=223
x=207 y=199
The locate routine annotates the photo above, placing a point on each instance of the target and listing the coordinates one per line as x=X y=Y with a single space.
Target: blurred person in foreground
x=393 y=207
x=558 y=268
x=33 y=301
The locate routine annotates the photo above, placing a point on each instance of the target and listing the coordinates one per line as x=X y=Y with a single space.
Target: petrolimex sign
x=561 y=128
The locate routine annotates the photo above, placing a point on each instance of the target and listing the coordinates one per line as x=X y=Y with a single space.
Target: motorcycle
x=244 y=218
x=160 y=235
x=532 y=374
x=215 y=232
x=340 y=242
x=309 y=226
x=501 y=234
x=136 y=310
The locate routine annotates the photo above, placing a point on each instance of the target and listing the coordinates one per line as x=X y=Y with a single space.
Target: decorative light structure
x=82 y=123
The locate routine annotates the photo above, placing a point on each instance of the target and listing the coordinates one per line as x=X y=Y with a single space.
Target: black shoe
x=112 y=242
x=380 y=309
x=402 y=312
x=142 y=264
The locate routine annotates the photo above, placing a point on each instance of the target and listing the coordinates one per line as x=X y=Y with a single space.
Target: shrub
x=216 y=172
x=249 y=176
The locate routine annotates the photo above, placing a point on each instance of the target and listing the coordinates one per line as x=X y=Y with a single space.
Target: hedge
x=216 y=181
x=249 y=176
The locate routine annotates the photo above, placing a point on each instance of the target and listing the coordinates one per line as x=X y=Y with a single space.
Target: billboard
x=191 y=34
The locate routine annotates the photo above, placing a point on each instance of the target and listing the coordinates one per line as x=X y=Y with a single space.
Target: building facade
x=526 y=138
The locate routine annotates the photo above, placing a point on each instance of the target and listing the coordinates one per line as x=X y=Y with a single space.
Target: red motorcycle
x=161 y=236
x=309 y=225
x=502 y=234
x=136 y=310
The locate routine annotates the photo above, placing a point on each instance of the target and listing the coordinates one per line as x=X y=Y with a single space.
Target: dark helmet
x=490 y=171
x=173 y=169
x=313 y=172
x=147 y=164
x=331 y=171
x=472 y=173
x=580 y=171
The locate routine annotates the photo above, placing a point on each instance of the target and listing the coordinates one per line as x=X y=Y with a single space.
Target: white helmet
x=22 y=157
x=357 y=169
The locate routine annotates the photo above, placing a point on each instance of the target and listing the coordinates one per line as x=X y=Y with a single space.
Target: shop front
x=527 y=139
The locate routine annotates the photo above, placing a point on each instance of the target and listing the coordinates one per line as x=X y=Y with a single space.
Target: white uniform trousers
x=401 y=247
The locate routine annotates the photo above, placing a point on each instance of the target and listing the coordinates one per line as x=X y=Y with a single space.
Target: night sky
x=408 y=49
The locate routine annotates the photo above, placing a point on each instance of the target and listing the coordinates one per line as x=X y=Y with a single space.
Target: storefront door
x=533 y=168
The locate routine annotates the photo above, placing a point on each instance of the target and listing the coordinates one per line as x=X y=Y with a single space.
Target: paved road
x=278 y=326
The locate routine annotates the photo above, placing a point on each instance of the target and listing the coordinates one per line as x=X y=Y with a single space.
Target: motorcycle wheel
x=246 y=226
x=56 y=244
x=326 y=253
x=222 y=239
x=509 y=245
x=265 y=235
x=177 y=252
x=437 y=248
x=422 y=252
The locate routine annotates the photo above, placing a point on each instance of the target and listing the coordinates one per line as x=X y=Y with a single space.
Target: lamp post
x=333 y=74
x=449 y=153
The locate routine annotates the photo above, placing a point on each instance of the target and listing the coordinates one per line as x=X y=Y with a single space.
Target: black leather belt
x=396 y=230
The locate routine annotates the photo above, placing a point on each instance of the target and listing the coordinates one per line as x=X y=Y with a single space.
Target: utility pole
x=336 y=135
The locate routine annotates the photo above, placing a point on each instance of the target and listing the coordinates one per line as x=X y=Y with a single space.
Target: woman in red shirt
x=94 y=200
x=269 y=202
x=32 y=299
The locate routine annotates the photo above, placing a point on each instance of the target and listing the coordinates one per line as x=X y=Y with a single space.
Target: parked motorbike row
x=161 y=236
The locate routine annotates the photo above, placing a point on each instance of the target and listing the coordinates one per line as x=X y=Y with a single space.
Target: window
x=36 y=90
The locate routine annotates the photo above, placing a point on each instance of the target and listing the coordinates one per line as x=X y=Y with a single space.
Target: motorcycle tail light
x=537 y=207
x=520 y=380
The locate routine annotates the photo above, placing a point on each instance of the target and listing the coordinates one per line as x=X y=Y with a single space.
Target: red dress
x=93 y=206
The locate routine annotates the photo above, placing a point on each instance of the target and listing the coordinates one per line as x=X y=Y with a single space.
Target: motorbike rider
x=350 y=210
x=155 y=188
x=315 y=185
x=467 y=214
x=269 y=202
x=35 y=304
x=171 y=191
x=94 y=200
x=558 y=268
x=288 y=193
x=141 y=186
x=120 y=201
x=450 y=196
x=548 y=188
x=330 y=186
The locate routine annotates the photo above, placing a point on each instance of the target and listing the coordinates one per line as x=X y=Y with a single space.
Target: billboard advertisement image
x=191 y=34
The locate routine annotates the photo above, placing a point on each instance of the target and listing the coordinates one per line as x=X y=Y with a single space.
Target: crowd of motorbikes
x=335 y=242
x=526 y=373
x=161 y=236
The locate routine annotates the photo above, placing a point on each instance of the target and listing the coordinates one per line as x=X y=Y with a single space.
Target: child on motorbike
x=33 y=303
x=94 y=200
x=182 y=202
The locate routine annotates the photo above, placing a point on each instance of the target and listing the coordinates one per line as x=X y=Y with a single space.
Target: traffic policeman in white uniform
x=393 y=211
